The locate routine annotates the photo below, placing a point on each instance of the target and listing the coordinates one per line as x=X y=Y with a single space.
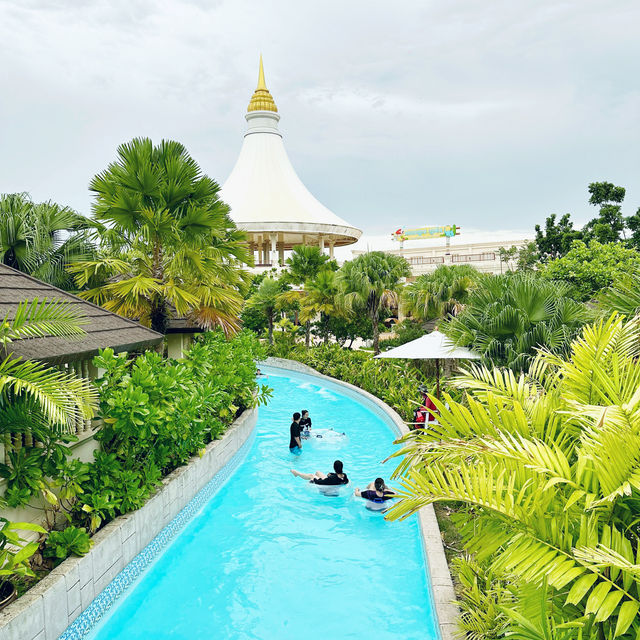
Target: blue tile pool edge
x=88 y=619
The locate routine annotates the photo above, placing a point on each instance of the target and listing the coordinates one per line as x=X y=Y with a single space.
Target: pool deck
x=444 y=596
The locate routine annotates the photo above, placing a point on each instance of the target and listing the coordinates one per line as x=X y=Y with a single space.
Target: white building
x=267 y=198
x=426 y=258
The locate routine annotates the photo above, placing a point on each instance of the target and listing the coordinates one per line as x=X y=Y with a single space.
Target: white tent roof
x=264 y=192
x=434 y=345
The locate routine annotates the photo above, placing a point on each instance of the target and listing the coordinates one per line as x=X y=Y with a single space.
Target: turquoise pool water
x=270 y=558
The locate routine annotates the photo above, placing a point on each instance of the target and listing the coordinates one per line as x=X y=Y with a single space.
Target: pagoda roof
x=265 y=193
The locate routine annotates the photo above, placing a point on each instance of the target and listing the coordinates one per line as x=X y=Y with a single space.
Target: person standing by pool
x=295 y=442
x=305 y=423
x=335 y=478
x=376 y=491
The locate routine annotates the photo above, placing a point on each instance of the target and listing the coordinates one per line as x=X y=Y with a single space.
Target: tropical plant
x=371 y=282
x=159 y=413
x=482 y=598
x=323 y=297
x=168 y=245
x=439 y=294
x=14 y=554
x=508 y=318
x=403 y=332
x=42 y=239
x=547 y=466
x=267 y=299
x=623 y=296
x=38 y=400
x=305 y=262
x=557 y=237
x=62 y=398
x=70 y=541
x=592 y=268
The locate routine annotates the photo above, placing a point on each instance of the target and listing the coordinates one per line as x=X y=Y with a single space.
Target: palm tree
x=440 y=294
x=507 y=318
x=60 y=398
x=267 y=299
x=548 y=468
x=372 y=282
x=168 y=244
x=42 y=239
x=623 y=296
x=323 y=296
x=305 y=263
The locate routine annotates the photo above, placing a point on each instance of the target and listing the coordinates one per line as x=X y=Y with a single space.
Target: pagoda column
x=332 y=244
x=274 y=253
x=281 y=252
x=321 y=244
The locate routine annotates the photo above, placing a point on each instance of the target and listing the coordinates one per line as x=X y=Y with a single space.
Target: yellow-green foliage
x=548 y=468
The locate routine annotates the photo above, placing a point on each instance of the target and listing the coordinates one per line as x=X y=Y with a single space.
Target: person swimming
x=336 y=478
x=376 y=491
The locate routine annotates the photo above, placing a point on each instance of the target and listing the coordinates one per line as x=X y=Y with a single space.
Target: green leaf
x=626 y=615
x=597 y=597
x=609 y=605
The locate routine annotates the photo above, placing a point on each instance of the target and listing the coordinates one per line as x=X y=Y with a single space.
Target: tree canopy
x=168 y=245
x=509 y=317
x=42 y=239
x=591 y=268
x=371 y=281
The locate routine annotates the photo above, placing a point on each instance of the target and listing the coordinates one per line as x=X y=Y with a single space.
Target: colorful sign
x=424 y=233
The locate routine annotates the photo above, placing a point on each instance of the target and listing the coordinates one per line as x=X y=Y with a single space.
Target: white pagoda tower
x=267 y=198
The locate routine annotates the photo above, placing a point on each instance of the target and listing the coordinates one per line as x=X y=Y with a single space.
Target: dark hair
x=304 y=411
x=337 y=466
x=296 y=416
x=379 y=484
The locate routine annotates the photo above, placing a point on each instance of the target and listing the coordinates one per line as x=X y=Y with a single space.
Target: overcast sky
x=490 y=115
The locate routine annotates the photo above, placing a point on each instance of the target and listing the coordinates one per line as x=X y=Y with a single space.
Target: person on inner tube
x=305 y=423
x=376 y=491
x=338 y=477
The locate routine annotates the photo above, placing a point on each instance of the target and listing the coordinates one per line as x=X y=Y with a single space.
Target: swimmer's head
x=379 y=484
x=296 y=416
x=305 y=413
x=337 y=466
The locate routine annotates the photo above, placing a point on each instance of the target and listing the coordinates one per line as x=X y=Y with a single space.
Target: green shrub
x=158 y=413
x=71 y=541
x=404 y=332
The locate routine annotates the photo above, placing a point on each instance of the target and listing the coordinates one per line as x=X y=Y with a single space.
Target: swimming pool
x=269 y=557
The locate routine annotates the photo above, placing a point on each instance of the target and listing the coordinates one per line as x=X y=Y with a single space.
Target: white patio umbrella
x=432 y=346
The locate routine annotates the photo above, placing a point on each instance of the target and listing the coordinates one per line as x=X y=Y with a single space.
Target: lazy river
x=269 y=557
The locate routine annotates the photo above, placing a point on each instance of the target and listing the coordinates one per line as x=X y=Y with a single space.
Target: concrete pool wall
x=444 y=596
x=47 y=609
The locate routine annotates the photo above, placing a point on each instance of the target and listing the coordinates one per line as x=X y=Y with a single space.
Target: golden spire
x=261 y=99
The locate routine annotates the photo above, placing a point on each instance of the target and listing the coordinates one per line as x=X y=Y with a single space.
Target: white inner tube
x=376 y=506
x=331 y=489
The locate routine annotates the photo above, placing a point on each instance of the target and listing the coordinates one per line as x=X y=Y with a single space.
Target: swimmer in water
x=338 y=476
x=305 y=423
x=376 y=491
x=295 y=431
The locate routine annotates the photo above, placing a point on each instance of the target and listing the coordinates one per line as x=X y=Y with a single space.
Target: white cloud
x=490 y=114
